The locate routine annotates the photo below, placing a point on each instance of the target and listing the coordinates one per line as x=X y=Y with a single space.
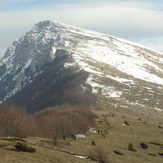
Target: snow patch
x=158 y=109
x=68 y=65
x=111 y=92
x=87 y=67
x=92 y=130
x=102 y=89
x=121 y=80
x=124 y=57
x=80 y=136
x=52 y=54
x=82 y=157
x=28 y=63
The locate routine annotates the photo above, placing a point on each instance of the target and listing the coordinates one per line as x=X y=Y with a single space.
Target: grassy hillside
x=117 y=129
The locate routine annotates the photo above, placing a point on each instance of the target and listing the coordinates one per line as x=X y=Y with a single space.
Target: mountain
x=55 y=64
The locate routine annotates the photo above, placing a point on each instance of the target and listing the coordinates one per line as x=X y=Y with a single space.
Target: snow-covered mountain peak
x=47 y=25
x=44 y=25
x=114 y=67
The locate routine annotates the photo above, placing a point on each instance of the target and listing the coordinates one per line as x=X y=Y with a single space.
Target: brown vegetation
x=52 y=122
x=24 y=147
x=99 y=154
x=131 y=147
x=13 y=121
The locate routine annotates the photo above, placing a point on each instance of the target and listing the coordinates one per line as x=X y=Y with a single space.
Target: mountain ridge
x=116 y=69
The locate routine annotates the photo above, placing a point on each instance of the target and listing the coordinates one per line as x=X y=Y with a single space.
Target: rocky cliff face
x=54 y=64
x=25 y=59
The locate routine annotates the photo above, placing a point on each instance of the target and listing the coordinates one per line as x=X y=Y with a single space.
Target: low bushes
x=51 y=122
x=131 y=147
x=13 y=121
x=24 y=147
x=99 y=154
x=144 y=146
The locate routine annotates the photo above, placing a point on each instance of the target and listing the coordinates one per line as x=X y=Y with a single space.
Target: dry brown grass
x=143 y=128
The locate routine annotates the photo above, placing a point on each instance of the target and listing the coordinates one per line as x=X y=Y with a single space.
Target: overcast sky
x=140 y=21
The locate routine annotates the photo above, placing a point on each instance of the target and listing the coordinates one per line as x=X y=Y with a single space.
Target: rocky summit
x=55 y=64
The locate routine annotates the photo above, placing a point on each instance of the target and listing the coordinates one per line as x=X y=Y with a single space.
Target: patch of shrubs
x=24 y=147
x=126 y=123
x=144 y=146
x=131 y=147
x=99 y=154
x=93 y=143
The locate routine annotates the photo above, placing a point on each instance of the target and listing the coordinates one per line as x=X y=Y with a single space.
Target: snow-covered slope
x=118 y=69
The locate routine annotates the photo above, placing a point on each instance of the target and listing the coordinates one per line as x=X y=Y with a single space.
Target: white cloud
x=127 y=20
